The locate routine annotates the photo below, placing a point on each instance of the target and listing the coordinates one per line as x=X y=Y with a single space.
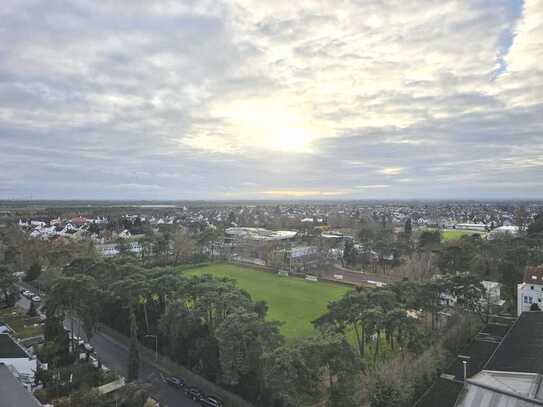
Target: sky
x=282 y=99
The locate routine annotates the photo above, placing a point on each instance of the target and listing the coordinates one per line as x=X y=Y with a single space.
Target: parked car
x=211 y=401
x=194 y=393
x=88 y=347
x=174 y=381
x=94 y=362
x=77 y=339
x=28 y=294
x=36 y=298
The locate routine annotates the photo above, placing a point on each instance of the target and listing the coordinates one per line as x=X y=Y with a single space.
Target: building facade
x=530 y=291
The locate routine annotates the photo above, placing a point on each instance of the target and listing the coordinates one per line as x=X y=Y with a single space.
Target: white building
x=503 y=231
x=530 y=291
x=492 y=295
x=17 y=358
x=472 y=226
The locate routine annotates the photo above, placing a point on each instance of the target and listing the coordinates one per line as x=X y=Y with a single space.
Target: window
x=531 y=287
x=525 y=300
x=530 y=299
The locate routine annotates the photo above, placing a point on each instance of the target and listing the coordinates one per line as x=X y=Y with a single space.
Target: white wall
x=527 y=294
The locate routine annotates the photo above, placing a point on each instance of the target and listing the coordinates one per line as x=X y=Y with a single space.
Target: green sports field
x=294 y=301
x=456 y=234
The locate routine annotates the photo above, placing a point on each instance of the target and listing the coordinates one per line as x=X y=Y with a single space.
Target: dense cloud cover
x=199 y=99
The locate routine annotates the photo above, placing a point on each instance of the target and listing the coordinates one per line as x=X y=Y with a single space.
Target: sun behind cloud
x=264 y=124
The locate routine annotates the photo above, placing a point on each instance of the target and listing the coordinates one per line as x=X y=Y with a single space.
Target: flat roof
x=13 y=392
x=9 y=349
x=521 y=349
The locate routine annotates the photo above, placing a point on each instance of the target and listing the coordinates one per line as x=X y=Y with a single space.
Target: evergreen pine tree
x=133 y=353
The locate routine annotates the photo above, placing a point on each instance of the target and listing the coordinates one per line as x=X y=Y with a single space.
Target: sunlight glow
x=268 y=124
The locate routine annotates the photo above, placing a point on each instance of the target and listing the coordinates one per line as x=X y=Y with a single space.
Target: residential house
x=512 y=375
x=12 y=392
x=530 y=291
x=13 y=355
x=500 y=367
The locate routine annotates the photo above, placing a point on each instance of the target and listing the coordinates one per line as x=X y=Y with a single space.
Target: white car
x=88 y=347
x=36 y=298
x=28 y=294
x=94 y=362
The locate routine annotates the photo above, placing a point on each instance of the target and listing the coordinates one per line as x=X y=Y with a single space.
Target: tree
x=389 y=390
x=349 y=253
x=295 y=372
x=347 y=314
x=57 y=344
x=7 y=281
x=82 y=398
x=408 y=228
x=65 y=296
x=33 y=272
x=429 y=298
x=469 y=292
x=429 y=240
x=368 y=230
x=32 y=312
x=521 y=218
x=456 y=256
x=133 y=353
x=123 y=247
x=88 y=308
x=243 y=337
x=535 y=229
x=183 y=247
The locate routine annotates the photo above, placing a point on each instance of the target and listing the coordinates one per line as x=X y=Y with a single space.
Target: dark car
x=211 y=401
x=176 y=382
x=194 y=393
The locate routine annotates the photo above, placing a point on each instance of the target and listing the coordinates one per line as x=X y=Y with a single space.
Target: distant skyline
x=248 y=99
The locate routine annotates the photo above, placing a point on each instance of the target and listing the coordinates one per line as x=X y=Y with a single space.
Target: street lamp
x=156 y=344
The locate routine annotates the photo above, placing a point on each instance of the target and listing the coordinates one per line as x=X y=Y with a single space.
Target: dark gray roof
x=9 y=349
x=12 y=392
x=521 y=349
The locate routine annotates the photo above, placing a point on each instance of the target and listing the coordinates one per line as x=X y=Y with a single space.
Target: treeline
x=209 y=325
x=420 y=255
x=217 y=330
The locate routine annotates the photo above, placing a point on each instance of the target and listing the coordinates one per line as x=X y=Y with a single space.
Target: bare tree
x=183 y=247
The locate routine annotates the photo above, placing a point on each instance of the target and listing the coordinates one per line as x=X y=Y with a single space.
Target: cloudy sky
x=235 y=99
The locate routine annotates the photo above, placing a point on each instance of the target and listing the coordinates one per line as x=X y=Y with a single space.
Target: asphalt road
x=115 y=356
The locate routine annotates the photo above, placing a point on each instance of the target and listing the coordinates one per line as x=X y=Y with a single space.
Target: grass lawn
x=452 y=234
x=456 y=234
x=24 y=326
x=294 y=301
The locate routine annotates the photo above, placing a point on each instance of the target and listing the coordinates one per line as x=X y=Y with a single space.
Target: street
x=115 y=356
